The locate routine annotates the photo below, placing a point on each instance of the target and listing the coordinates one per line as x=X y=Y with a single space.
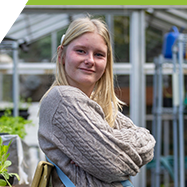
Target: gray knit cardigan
x=73 y=127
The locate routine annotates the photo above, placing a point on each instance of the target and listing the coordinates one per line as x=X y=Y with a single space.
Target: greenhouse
x=150 y=76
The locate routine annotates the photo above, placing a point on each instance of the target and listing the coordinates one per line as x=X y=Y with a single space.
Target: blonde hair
x=103 y=93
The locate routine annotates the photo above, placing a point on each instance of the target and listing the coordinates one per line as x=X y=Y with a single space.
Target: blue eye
x=99 y=54
x=80 y=51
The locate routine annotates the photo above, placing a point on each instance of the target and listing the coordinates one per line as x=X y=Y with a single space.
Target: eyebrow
x=76 y=46
x=84 y=47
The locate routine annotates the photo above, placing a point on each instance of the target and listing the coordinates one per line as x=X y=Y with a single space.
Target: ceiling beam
x=178 y=13
x=170 y=19
x=158 y=24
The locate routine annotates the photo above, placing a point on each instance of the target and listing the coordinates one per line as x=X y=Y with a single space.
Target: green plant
x=24 y=104
x=4 y=164
x=13 y=125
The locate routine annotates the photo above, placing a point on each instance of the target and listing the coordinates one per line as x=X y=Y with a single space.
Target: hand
x=72 y=162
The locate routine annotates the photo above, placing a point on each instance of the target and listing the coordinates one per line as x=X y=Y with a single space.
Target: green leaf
x=6 y=177
x=2 y=182
x=4 y=164
x=7 y=163
x=14 y=125
x=1 y=141
x=17 y=176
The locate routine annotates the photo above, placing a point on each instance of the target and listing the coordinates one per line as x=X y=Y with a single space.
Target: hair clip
x=62 y=39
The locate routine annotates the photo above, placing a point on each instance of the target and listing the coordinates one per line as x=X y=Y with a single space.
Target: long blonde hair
x=103 y=93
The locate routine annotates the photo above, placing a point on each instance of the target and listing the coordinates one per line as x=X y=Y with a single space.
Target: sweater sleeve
x=138 y=137
x=80 y=131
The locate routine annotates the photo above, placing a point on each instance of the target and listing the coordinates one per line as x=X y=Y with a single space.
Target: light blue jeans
x=126 y=183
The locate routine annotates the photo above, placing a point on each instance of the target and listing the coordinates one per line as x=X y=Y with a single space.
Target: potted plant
x=23 y=108
x=4 y=164
x=13 y=125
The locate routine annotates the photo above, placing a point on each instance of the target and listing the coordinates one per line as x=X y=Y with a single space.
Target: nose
x=90 y=59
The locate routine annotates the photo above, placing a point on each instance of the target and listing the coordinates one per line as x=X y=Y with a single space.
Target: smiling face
x=85 y=61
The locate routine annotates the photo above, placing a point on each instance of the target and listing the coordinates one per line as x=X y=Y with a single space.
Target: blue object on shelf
x=169 y=39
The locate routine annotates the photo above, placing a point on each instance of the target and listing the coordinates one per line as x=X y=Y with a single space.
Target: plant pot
x=10 y=180
x=3 y=133
x=22 y=112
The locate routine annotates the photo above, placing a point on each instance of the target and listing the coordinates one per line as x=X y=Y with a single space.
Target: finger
x=72 y=162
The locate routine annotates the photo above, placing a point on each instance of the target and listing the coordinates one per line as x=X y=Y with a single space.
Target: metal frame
x=13 y=46
x=29 y=25
x=137 y=46
x=177 y=111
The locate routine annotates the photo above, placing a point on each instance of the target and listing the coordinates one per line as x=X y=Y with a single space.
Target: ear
x=59 y=52
x=59 y=57
x=58 y=48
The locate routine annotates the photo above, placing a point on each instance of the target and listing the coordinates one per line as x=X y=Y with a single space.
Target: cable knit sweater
x=73 y=127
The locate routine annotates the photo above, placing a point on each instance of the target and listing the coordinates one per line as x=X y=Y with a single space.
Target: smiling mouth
x=87 y=70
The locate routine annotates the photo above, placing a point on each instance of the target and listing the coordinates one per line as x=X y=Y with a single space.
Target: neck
x=86 y=89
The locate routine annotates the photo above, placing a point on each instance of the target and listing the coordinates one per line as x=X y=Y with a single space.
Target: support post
x=1 y=86
x=54 y=43
x=175 y=87
x=15 y=79
x=181 y=119
x=159 y=122
x=137 y=79
x=110 y=23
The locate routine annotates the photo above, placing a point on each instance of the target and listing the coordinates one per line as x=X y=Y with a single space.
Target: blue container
x=169 y=39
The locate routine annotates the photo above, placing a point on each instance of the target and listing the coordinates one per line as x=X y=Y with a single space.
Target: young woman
x=79 y=118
